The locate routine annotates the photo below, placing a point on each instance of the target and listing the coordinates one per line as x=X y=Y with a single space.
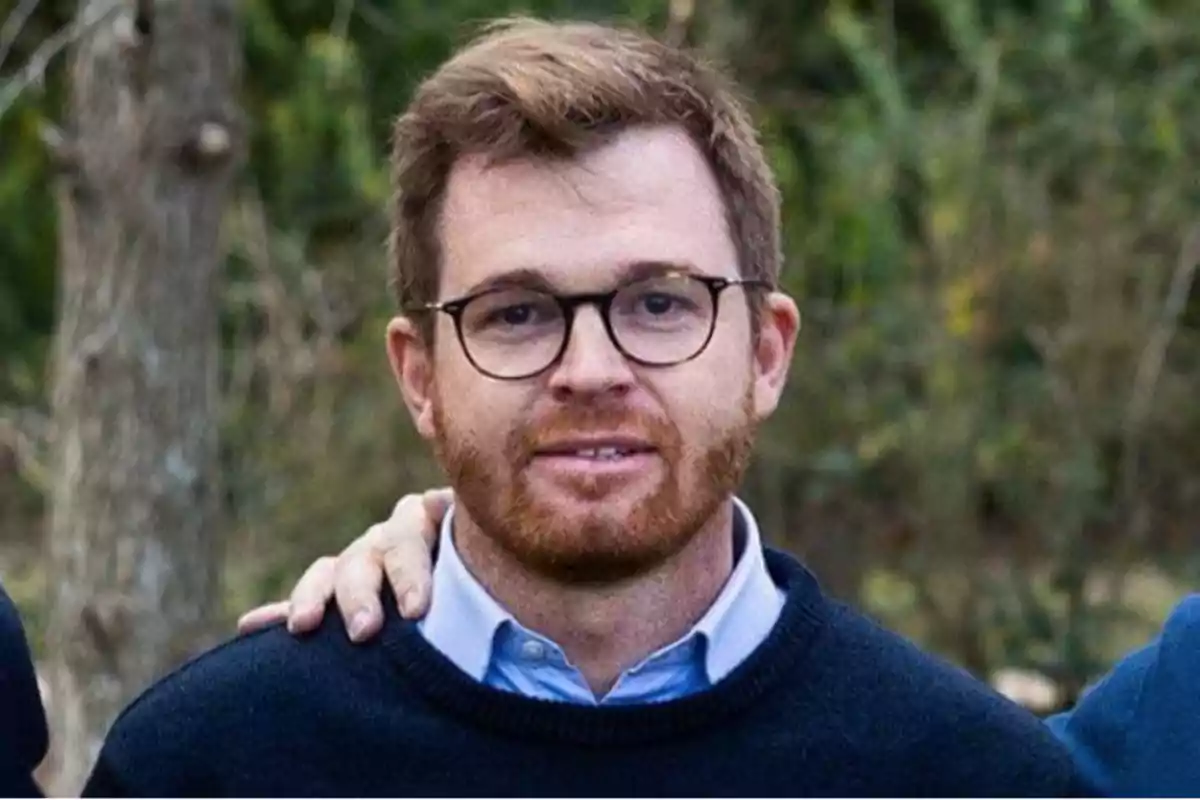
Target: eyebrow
x=536 y=279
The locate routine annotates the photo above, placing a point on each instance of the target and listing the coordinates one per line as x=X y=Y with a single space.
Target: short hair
x=533 y=88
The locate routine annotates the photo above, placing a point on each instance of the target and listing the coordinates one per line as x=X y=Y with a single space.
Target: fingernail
x=358 y=625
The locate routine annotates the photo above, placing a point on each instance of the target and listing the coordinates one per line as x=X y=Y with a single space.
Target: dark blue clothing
x=830 y=704
x=23 y=737
x=1137 y=731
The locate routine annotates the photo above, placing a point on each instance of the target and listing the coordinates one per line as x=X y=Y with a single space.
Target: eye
x=658 y=303
x=514 y=315
x=509 y=313
x=661 y=305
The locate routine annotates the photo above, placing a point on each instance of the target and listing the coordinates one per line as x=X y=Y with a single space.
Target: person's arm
x=23 y=734
x=1097 y=730
x=400 y=547
x=1134 y=732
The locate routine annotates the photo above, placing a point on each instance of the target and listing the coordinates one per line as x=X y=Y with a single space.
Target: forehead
x=646 y=196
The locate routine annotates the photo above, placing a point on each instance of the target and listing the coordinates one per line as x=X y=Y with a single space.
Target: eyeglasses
x=514 y=333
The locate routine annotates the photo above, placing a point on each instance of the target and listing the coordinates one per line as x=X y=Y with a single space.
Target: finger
x=406 y=540
x=410 y=572
x=311 y=594
x=436 y=502
x=263 y=617
x=357 y=580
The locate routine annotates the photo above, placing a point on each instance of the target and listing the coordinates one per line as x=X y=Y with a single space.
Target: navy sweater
x=829 y=704
x=23 y=737
x=1137 y=732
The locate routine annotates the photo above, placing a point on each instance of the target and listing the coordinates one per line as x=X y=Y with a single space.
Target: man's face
x=598 y=468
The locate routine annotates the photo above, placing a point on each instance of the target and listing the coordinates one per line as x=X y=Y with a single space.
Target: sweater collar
x=806 y=615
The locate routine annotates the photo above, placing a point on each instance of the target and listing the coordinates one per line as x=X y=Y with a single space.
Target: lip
x=568 y=447
x=566 y=468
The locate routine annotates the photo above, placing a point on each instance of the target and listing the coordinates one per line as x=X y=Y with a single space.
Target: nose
x=591 y=364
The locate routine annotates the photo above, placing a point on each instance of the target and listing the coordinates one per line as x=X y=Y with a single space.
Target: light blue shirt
x=485 y=641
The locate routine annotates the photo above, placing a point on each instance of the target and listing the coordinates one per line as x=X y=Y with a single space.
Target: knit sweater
x=23 y=736
x=1134 y=733
x=829 y=704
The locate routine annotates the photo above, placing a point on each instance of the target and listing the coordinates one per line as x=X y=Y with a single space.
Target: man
x=1132 y=734
x=23 y=738
x=585 y=233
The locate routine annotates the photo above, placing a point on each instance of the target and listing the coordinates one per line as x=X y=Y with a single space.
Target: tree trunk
x=146 y=164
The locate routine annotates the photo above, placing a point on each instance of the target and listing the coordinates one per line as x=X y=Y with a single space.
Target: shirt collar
x=463 y=619
x=746 y=609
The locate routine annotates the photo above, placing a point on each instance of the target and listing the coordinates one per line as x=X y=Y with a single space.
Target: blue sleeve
x=23 y=737
x=1096 y=731
x=1134 y=732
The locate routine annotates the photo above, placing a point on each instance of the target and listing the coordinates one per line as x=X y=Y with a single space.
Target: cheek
x=455 y=380
x=718 y=392
x=709 y=406
x=472 y=410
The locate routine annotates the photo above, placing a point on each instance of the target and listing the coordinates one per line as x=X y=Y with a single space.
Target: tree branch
x=63 y=153
x=12 y=27
x=340 y=27
x=1145 y=382
x=36 y=68
x=1150 y=364
x=26 y=433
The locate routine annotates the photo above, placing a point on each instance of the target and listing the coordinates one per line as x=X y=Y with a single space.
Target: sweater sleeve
x=188 y=732
x=1096 y=731
x=163 y=744
x=142 y=758
x=23 y=737
x=1134 y=731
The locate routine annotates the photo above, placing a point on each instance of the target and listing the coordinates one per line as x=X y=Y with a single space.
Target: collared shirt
x=485 y=641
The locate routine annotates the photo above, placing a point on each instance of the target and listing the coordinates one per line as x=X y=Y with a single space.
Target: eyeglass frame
x=569 y=303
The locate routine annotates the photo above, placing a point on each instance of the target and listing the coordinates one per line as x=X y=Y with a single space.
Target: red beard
x=601 y=547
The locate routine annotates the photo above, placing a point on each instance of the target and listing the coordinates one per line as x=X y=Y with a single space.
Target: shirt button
x=533 y=650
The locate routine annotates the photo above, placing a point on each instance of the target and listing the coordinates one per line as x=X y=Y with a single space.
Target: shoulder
x=258 y=688
x=1181 y=632
x=1161 y=676
x=901 y=671
x=12 y=634
x=272 y=666
x=1134 y=730
x=869 y=666
x=207 y=692
x=23 y=727
x=9 y=621
x=1151 y=685
x=934 y=713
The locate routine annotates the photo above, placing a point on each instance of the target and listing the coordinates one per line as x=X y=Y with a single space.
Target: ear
x=412 y=364
x=773 y=351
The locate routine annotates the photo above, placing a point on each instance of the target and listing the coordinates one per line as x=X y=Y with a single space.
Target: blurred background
x=991 y=440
